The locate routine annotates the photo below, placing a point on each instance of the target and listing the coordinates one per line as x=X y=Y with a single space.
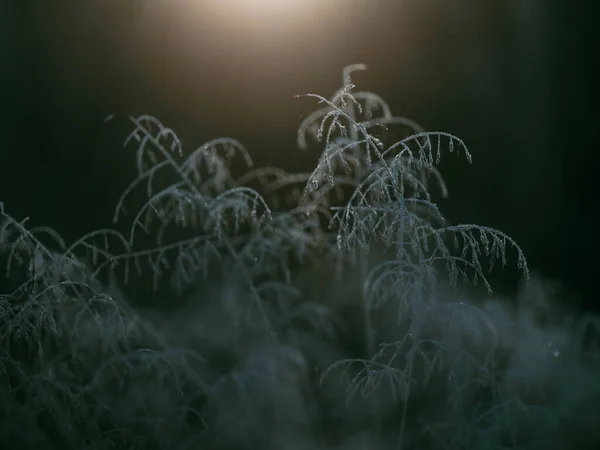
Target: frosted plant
x=299 y=221
x=391 y=203
x=60 y=322
x=58 y=290
x=373 y=187
x=196 y=194
x=202 y=191
x=226 y=220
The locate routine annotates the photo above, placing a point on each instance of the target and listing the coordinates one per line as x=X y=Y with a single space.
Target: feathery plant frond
x=232 y=218
x=229 y=219
x=202 y=180
x=391 y=203
x=61 y=299
x=200 y=195
x=49 y=261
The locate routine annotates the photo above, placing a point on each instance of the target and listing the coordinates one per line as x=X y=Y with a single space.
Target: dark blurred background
x=513 y=78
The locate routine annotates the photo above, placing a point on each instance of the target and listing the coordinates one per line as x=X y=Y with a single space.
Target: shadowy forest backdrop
x=512 y=78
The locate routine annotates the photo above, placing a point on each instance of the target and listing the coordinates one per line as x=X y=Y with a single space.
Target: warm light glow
x=262 y=15
x=266 y=8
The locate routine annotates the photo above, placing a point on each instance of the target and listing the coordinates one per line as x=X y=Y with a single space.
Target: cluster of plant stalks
x=316 y=306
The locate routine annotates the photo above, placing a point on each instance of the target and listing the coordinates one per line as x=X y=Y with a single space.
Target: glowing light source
x=265 y=8
x=259 y=14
